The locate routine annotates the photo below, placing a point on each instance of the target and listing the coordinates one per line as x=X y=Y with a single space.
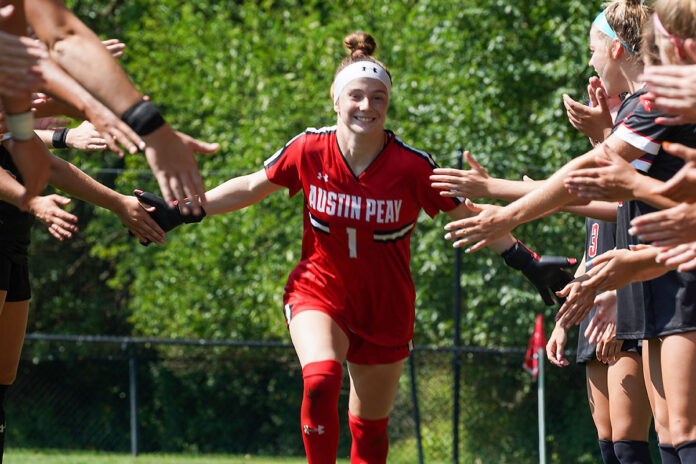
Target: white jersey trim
x=637 y=140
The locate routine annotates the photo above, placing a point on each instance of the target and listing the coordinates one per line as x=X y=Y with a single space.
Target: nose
x=365 y=104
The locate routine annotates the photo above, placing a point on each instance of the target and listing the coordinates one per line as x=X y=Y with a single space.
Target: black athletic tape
x=143 y=117
x=59 y=138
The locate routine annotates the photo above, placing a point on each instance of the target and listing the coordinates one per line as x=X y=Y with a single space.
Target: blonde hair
x=678 y=17
x=628 y=19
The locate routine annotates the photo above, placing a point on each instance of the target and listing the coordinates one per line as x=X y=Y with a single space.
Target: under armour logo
x=321 y=176
x=309 y=430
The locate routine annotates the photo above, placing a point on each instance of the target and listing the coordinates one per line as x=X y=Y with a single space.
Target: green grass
x=16 y=456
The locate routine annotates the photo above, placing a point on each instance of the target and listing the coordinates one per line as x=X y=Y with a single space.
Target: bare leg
x=598 y=397
x=629 y=405
x=678 y=358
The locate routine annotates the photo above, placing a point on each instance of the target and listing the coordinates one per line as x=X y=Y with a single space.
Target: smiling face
x=602 y=61
x=362 y=106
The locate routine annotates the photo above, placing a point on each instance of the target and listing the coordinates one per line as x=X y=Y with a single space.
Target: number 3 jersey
x=357 y=230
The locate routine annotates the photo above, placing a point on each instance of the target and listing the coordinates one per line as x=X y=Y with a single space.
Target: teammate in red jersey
x=351 y=297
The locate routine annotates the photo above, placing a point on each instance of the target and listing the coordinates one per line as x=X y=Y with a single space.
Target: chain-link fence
x=107 y=393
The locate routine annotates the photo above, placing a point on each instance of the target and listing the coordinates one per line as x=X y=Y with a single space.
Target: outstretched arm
x=492 y=224
x=80 y=52
x=240 y=192
x=71 y=180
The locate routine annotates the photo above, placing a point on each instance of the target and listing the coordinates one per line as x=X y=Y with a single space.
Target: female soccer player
x=351 y=297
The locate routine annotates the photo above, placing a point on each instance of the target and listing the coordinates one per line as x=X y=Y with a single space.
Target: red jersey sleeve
x=430 y=199
x=283 y=168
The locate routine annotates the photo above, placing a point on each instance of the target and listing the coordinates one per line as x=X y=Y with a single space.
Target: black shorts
x=587 y=352
x=14 y=278
x=669 y=307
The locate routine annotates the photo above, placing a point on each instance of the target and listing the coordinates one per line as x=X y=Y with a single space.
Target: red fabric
x=538 y=340
x=360 y=351
x=370 y=440
x=319 y=413
x=357 y=230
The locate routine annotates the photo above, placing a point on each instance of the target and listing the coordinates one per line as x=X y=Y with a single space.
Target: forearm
x=63 y=87
x=553 y=194
x=602 y=210
x=239 y=193
x=642 y=191
x=16 y=25
x=511 y=190
x=71 y=180
x=10 y=189
x=645 y=266
x=80 y=52
x=55 y=107
x=46 y=136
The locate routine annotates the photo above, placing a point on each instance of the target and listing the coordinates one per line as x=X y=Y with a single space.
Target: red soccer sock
x=319 y=415
x=370 y=440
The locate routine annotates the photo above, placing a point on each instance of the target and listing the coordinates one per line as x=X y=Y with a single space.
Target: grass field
x=85 y=457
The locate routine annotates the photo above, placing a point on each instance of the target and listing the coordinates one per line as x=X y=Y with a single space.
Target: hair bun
x=360 y=44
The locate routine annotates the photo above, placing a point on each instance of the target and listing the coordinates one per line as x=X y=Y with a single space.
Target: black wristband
x=143 y=117
x=518 y=256
x=59 y=138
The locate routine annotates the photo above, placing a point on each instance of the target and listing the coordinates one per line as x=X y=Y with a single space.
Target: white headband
x=368 y=69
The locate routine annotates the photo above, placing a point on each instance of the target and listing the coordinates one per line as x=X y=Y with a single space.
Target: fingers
x=601 y=98
x=473 y=207
x=471 y=161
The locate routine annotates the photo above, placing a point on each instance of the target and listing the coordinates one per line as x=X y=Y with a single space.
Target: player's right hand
x=167 y=217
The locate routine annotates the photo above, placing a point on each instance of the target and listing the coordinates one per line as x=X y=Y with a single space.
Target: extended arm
x=495 y=223
x=71 y=180
x=80 y=52
x=239 y=193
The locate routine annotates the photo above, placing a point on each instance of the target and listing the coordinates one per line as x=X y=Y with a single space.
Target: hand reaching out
x=85 y=137
x=614 y=180
x=471 y=183
x=667 y=227
x=681 y=186
x=49 y=210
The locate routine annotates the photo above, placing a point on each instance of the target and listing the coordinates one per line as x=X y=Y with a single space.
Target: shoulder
x=311 y=138
x=413 y=154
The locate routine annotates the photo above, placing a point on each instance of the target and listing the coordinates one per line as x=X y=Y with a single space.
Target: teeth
x=360 y=118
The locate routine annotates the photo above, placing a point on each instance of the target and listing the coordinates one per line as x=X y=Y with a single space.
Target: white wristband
x=21 y=125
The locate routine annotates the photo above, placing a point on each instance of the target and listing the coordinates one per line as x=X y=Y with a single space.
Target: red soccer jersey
x=357 y=230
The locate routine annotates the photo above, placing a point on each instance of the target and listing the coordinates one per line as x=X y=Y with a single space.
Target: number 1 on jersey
x=352 y=242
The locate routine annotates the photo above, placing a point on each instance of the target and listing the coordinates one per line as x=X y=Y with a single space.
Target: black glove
x=545 y=273
x=167 y=217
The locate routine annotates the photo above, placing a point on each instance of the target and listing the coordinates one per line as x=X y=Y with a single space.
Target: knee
x=370 y=440
x=322 y=380
x=681 y=430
